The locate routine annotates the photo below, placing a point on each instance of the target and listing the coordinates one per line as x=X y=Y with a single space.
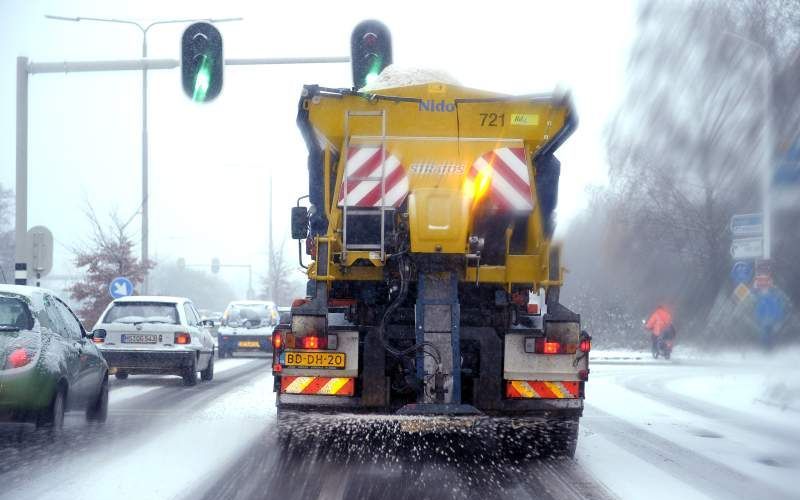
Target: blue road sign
x=769 y=308
x=747 y=225
x=120 y=287
x=742 y=271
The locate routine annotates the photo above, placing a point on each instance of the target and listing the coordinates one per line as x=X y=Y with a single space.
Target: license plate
x=315 y=360
x=135 y=338
x=249 y=343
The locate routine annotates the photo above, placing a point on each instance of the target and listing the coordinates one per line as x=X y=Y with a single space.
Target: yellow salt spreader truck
x=433 y=291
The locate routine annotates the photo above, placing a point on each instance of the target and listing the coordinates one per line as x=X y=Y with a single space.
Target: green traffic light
x=374 y=68
x=202 y=79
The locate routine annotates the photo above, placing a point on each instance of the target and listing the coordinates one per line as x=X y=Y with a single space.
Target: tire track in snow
x=131 y=420
x=394 y=473
x=655 y=388
x=707 y=476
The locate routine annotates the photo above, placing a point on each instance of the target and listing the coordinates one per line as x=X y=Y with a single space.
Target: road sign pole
x=21 y=194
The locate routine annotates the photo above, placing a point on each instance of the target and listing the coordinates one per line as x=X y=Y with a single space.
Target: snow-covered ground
x=720 y=427
x=724 y=427
x=136 y=386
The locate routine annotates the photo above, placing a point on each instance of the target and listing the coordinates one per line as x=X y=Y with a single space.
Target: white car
x=155 y=335
x=247 y=326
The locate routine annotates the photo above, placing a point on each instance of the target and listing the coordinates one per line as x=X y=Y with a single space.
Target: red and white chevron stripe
x=510 y=184
x=366 y=162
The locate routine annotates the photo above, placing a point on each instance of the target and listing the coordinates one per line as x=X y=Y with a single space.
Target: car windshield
x=256 y=314
x=142 y=312
x=14 y=315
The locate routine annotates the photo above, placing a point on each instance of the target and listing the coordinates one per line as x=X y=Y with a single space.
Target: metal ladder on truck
x=359 y=212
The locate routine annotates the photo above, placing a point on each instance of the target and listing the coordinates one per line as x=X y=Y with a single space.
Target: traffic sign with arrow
x=742 y=272
x=747 y=248
x=120 y=287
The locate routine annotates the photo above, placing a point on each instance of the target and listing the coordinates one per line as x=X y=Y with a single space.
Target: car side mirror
x=299 y=223
x=207 y=322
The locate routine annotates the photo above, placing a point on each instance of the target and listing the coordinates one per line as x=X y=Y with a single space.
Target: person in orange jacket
x=660 y=323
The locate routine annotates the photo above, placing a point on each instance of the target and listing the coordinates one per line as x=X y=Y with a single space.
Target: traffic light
x=370 y=51
x=201 y=62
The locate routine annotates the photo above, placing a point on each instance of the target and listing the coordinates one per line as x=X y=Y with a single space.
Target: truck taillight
x=182 y=338
x=277 y=340
x=544 y=346
x=586 y=345
x=314 y=342
x=19 y=357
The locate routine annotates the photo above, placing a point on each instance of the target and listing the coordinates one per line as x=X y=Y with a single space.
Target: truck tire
x=190 y=373
x=561 y=438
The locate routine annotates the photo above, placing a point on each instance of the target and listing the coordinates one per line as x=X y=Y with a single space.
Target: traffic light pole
x=25 y=68
x=250 y=291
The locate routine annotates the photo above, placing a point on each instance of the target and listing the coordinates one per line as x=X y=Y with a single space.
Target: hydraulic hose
x=401 y=297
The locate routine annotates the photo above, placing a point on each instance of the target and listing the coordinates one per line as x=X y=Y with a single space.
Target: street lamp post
x=145 y=149
x=768 y=144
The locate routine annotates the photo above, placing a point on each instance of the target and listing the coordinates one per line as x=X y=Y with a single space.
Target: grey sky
x=210 y=164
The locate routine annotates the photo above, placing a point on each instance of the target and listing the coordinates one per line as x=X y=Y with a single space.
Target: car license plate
x=335 y=360
x=249 y=343
x=135 y=338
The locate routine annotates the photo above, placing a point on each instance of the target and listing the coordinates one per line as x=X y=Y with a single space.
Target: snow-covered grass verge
x=764 y=384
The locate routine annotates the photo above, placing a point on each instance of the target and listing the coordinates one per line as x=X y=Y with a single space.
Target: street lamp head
x=62 y=18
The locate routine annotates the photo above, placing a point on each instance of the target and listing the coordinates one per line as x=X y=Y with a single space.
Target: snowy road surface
x=685 y=429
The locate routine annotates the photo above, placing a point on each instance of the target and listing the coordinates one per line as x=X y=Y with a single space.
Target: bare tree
x=109 y=255
x=282 y=281
x=684 y=155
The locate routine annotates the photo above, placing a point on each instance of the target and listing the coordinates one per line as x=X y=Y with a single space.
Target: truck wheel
x=121 y=375
x=190 y=373
x=208 y=373
x=98 y=410
x=52 y=417
x=561 y=439
x=514 y=442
